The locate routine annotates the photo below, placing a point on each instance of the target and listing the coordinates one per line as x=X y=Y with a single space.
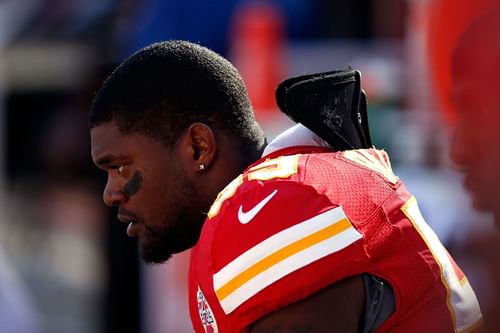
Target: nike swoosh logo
x=245 y=217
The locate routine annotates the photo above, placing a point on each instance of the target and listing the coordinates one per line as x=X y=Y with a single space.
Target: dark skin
x=160 y=190
x=164 y=195
x=335 y=309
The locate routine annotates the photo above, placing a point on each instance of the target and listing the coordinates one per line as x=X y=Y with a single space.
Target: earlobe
x=203 y=145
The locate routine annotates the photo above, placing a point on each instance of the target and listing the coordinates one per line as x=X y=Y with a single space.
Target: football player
x=312 y=232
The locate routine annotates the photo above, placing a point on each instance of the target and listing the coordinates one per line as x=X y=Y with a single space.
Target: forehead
x=107 y=142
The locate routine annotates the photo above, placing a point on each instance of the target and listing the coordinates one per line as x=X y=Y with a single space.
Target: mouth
x=132 y=222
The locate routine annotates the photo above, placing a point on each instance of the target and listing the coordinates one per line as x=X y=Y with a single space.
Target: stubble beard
x=177 y=232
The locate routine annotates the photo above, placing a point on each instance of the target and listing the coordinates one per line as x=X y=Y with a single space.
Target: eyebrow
x=106 y=160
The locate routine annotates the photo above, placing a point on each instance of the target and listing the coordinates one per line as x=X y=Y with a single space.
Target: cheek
x=159 y=195
x=163 y=188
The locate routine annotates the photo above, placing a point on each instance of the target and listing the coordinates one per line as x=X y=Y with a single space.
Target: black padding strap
x=330 y=104
x=380 y=303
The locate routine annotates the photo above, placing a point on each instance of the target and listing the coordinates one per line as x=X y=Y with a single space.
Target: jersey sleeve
x=275 y=242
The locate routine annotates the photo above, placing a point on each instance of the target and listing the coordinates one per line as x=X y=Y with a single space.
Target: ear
x=201 y=146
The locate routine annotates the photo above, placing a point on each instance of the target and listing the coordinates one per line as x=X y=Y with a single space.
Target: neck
x=230 y=161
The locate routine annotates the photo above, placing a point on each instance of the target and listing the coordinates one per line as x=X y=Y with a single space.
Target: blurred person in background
x=18 y=312
x=475 y=68
x=173 y=125
x=476 y=82
x=464 y=54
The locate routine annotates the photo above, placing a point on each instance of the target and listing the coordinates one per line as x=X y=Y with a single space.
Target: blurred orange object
x=256 y=45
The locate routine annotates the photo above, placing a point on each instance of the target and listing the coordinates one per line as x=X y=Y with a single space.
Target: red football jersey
x=304 y=218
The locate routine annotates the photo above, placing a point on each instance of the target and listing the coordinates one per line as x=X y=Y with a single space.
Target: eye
x=120 y=169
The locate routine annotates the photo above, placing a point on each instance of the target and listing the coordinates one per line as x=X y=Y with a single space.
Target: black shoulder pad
x=331 y=104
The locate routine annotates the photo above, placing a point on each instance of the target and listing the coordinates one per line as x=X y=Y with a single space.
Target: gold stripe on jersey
x=280 y=167
x=378 y=164
x=223 y=195
x=383 y=158
x=282 y=254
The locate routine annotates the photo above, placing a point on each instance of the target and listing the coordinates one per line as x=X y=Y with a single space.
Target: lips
x=132 y=229
x=126 y=218
x=132 y=222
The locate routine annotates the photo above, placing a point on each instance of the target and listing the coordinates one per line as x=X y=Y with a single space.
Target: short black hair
x=163 y=88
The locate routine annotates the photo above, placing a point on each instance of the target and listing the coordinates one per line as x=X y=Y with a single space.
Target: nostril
x=114 y=197
x=109 y=199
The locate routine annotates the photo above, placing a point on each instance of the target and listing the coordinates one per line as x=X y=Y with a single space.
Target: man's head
x=476 y=82
x=172 y=125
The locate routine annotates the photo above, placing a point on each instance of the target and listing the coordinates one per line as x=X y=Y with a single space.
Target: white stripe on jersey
x=282 y=254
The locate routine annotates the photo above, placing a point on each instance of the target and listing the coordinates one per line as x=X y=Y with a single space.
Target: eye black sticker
x=134 y=185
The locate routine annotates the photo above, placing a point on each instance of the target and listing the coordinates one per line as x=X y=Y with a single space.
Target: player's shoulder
x=261 y=177
x=324 y=163
x=272 y=225
x=266 y=199
x=353 y=164
x=269 y=190
x=313 y=176
x=299 y=186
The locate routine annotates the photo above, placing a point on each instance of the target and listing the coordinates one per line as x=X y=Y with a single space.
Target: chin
x=153 y=255
x=153 y=249
x=157 y=248
x=158 y=243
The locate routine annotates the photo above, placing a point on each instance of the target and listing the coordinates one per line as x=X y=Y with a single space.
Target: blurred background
x=66 y=265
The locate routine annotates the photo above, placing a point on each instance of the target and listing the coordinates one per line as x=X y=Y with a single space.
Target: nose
x=113 y=194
